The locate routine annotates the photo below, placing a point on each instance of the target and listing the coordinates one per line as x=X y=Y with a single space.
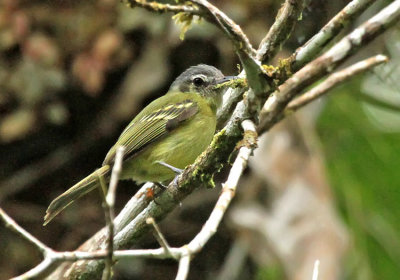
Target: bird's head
x=204 y=80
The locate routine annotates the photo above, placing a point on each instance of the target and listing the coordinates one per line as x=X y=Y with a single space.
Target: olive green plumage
x=173 y=129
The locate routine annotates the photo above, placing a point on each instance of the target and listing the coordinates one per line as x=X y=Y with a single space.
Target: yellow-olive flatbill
x=167 y=135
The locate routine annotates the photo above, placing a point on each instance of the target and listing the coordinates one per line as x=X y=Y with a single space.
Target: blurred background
x=324 y=184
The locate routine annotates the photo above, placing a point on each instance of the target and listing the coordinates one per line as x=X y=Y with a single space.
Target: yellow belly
x=178 y=149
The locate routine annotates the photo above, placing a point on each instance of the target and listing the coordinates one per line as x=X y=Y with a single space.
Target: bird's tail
x=75 y=192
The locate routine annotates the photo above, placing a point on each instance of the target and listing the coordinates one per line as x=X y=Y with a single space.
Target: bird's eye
x=198 y=81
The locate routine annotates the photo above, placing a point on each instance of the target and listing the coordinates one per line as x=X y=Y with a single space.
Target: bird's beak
x=225 y=79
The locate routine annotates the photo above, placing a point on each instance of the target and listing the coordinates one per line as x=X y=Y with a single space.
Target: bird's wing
x=148 y=128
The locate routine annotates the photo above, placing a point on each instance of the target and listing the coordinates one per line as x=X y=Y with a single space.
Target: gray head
x=199 y=78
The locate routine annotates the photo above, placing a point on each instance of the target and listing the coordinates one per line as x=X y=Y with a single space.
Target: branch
x=109 y=210
x=154 y=6
x=226 y=24
x=183 y=269
x=11 y=224
x=280 y=31
x=327 y=62
x=42 y=268
x=159 y=236
x=334 y=80
x=314 y=46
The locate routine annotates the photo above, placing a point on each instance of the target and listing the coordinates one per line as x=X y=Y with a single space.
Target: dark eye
x=198 y=82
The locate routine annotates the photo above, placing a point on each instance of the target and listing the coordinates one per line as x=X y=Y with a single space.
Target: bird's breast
x=179 y=149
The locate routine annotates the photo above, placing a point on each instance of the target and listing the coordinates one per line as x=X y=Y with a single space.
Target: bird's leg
x=177 y=171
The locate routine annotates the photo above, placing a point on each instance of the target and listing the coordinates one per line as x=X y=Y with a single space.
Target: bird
x=164 y=138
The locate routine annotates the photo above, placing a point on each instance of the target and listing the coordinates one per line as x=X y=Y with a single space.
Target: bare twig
x=109 y=224
x=184 y=264
x=10 y=223
x=157 y=7
x=41 y=268
x=314 y=46
x=116 y=171
x=231 y=29
x=109 y=210
x=159 y=236
x=334 y=80
x=52 y=258
x=37 y=272
x=326 y=63
x=284 y=23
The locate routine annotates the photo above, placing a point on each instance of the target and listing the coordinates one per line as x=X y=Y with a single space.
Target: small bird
x=165 y=137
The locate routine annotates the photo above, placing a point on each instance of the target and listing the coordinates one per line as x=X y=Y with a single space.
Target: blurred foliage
x=363 y=165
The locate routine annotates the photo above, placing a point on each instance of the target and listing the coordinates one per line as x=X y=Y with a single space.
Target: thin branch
x=159 y=236
x=109 y=210
x=37 y=272
x=334 y=80
x=41 y=268
x=109 y=224
x=184 y=265
x=284 y=23
x=157 y=7
x=52 y=258
x=314 y=46
x=131 y=209
x=116 y=171
x=327 y=62
x=10 y=223
x=231 y=29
